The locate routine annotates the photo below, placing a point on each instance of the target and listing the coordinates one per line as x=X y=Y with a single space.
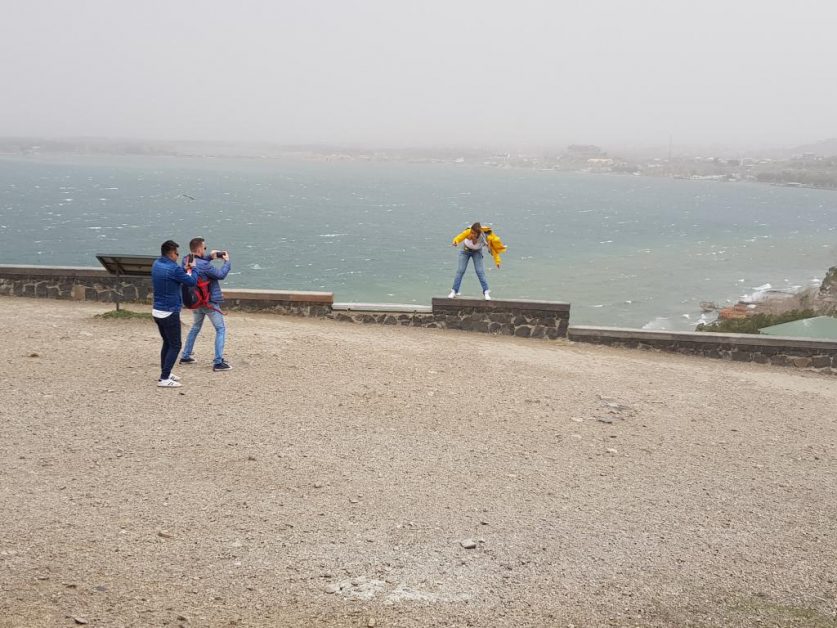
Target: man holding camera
x=204 y=269
x=167 y=279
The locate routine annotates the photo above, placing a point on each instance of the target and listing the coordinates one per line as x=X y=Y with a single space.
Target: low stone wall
x=296 y=303
x=73 y=282
x=384 y=314
x=777 y=350
x=96 y=284
x=525 y=319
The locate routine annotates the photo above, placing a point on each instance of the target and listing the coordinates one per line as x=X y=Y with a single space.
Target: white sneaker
x=452 y=294
x=169 y=383
x=487 y=295
x=174 y=378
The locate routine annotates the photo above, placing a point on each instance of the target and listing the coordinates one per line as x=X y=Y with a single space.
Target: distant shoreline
x=369 y=159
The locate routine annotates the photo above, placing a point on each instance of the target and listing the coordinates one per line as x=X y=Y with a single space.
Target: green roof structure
x=820 y=327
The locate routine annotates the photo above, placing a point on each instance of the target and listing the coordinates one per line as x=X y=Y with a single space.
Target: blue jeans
x=220 y=332
x=169 y=328
x=479 y=266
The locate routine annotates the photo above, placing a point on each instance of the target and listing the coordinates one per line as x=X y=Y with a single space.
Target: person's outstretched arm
x=218 y=273
x=461 y=237
x=181 y=276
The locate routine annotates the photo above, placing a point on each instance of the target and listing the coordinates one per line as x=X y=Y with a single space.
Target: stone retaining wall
x=296 y=303
x=776 y=350
x=73 y=282
x=525 y=319
x=96 y=284
x=384 y=314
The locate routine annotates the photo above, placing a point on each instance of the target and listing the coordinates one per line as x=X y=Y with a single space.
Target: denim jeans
x=169 y=328
x=220 y=332
x=479 y=266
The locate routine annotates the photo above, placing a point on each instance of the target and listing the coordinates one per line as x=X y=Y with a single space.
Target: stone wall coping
x=302 y=296
x=753 y=340
x=500 y=304
x=396 y=308
x=52 y=271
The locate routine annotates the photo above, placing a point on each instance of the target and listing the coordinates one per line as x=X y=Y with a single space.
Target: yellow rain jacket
x=495 y=245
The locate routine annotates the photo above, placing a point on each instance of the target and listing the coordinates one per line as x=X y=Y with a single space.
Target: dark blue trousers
x=169 y=328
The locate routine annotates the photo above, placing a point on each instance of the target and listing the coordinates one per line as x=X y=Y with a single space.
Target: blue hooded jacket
x=166 y=277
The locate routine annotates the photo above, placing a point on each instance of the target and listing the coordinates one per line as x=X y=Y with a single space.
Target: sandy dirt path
x=332 y=477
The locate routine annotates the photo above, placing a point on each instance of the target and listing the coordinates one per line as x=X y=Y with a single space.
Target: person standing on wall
x=167 y=278
x=474 y=240
x=212 y=308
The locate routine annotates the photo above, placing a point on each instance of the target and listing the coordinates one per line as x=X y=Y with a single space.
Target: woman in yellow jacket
x=474 y=240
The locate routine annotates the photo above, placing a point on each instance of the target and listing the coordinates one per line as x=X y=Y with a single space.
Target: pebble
x=611 y=450
x=332 y=588
x=165 y=535
x=371 y=623
x=318 y=484
x=605 y=419
x=80 y=620
x=468 y=543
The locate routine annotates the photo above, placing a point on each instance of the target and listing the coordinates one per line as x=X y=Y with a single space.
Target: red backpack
x=197 y=296
x=201 y=294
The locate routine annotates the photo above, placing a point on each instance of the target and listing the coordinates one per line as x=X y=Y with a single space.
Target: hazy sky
x=392 y=72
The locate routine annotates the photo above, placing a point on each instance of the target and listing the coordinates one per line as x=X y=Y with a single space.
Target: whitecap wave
x=661 y=323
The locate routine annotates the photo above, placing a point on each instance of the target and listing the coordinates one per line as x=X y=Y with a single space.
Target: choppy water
x=626 y=251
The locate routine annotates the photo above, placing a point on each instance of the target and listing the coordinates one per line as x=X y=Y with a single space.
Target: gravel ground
x=340 y=473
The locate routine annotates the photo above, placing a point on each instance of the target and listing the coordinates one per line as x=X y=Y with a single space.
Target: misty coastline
x=808 y=166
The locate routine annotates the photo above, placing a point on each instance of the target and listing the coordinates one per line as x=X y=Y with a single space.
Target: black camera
x=220 y=254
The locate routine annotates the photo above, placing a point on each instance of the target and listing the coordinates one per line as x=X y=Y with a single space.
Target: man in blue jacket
x=205 y=270
x=166 y=279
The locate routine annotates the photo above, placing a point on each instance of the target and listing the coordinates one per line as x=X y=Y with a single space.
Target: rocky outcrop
x=826 y=300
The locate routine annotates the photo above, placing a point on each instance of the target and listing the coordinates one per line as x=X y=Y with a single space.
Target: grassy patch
x=774 y=613
x=124 y=314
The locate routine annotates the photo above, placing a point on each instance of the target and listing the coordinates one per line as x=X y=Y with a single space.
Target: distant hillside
x=823 y=148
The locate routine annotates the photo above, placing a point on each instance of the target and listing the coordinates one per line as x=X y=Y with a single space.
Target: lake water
x=628 y=251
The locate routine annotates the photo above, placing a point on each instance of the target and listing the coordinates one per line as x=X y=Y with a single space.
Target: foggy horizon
x=464 y=74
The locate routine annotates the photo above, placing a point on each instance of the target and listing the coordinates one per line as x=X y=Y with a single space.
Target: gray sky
x=391 y=72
